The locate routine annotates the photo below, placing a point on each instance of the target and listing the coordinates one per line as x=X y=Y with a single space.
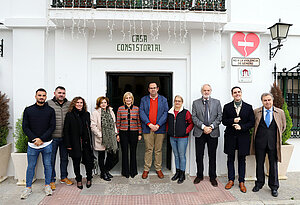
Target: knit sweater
x=39 y=122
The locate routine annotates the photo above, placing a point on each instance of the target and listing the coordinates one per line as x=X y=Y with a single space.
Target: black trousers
x=241 y=167
x=88 y=162
x=212 y=144
x=110 y=161
x=129 y=138
x=260 y=155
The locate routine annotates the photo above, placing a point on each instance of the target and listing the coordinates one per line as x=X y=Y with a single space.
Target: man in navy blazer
x=207 y=116
x=153 y=113
x=238 y=117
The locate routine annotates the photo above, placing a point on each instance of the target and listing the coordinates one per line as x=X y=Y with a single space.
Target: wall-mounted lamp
x=279 y=31
x=1 y=48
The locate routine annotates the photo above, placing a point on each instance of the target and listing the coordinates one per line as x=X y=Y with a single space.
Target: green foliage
x=4 y=119
x=21 y=139
x=289 y=124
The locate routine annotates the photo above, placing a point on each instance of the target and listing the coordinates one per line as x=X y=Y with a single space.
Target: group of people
x=69 y=127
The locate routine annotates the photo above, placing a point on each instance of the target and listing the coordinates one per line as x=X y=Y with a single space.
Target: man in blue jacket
x=153 y=113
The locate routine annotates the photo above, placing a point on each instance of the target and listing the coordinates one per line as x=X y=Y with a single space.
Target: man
x=61 y=105
x=153 y=112
x=238 y=117
x=207 y=116
x=38 y=125
x=269 y=125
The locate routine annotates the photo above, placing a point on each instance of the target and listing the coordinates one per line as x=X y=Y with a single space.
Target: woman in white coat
x=103 y=125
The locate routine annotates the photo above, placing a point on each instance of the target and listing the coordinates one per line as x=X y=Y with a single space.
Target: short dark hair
x=235 y=88
x=153 y=82
x=40 y=89
x=60 y=87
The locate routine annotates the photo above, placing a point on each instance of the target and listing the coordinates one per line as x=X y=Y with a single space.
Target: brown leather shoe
x=160 y=174
x=145 y=174
x=242 y=187
x=229 y=184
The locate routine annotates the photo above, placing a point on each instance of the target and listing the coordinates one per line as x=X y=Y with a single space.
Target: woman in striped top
x=129 y=132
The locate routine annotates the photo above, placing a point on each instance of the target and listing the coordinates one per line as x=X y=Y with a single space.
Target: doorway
x=137 y=83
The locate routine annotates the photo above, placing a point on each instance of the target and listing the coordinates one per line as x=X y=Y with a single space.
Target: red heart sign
x=245 y=44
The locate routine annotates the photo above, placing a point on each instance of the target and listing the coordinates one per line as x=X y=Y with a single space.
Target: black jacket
x=74 y=133
x=237 y=139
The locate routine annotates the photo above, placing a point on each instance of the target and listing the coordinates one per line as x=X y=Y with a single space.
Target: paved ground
x=153 y=191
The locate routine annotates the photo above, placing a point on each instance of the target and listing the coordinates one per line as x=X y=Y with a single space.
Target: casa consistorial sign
x=139 y=43
x=252 y=62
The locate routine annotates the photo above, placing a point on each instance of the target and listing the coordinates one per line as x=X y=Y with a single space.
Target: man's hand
x=69 y=148
x=207 y=130
x=139 y=137
x=237 y=119
x=118 y=138
x=152 y=127
x=156 y=127
x=37 y=141
x=237 y=126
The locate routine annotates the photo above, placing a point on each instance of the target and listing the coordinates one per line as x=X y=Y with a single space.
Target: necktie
x=267 y=119
x=206 y=113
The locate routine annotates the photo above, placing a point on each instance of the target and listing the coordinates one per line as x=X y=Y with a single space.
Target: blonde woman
x=129 y=132
x=104 y=129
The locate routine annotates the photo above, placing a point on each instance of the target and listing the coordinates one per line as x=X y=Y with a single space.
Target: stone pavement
x=153 y=191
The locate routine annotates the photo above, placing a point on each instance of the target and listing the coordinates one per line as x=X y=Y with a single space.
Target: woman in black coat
x=77 y=139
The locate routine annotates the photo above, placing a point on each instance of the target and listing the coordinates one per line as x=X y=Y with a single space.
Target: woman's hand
x=118 y=138
x=139 y=137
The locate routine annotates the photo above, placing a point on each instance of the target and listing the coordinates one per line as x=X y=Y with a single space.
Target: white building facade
x=78 y=48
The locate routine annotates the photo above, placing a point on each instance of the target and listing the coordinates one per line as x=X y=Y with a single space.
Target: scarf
x=108 y=131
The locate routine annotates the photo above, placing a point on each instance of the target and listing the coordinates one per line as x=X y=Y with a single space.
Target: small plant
x=4 y=119
x=289 y=124
x=21 y=139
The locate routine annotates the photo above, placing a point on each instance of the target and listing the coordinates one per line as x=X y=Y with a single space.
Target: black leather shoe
x=105 y=177
x=109 y=175
x=181 y=177
x=79 y=185
x=255 y=189
x=88 y=184
x=176 y=175
x=274 y=193
x=197 y=180
x=213 y=182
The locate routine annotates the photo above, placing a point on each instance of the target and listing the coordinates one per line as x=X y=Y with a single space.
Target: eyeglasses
x=153 y=88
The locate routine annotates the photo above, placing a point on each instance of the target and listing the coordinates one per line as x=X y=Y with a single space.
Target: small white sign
x=245 y=75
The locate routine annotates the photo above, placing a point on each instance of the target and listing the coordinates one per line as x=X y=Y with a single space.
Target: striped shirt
x=128 y=118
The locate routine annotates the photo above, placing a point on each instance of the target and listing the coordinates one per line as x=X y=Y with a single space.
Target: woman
x=130 y=131
x=77 y=139
x=179 y=125
x=103 y=124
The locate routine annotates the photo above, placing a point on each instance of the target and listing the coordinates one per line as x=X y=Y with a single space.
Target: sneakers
x=27 y=191
x=48 y=190
x=52 y=185
x=66 y=181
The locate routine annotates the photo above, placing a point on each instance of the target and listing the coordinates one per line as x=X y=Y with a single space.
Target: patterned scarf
x=108 y=131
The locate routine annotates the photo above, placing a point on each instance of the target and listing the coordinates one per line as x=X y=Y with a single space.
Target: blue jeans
x=32 y=157
x=179 y=146
x=63 y=154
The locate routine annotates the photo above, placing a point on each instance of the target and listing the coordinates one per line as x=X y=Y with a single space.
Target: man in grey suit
x=207 y=116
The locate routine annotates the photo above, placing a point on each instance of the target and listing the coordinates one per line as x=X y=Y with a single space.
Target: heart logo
x=245 y=44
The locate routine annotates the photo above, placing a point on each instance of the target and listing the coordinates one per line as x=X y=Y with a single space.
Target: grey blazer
x=215 y=116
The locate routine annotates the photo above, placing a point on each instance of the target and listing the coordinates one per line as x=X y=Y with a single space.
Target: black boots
x=176 y=175
x=181 y=177
x=104 y=176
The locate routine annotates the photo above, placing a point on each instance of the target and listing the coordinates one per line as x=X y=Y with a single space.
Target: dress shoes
x=213 y=182
x=109 y=175
x=160 y=174
x=79 y=185
x=197 y=180
x=274 y=192
x=242 y=187
x=256 y=189
x=145 y=174
x=229 y=184
x=88 y=183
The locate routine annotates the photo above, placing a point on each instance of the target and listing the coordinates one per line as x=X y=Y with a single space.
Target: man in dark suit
x=270 y=123
x=207 y=116
x=238 y=117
